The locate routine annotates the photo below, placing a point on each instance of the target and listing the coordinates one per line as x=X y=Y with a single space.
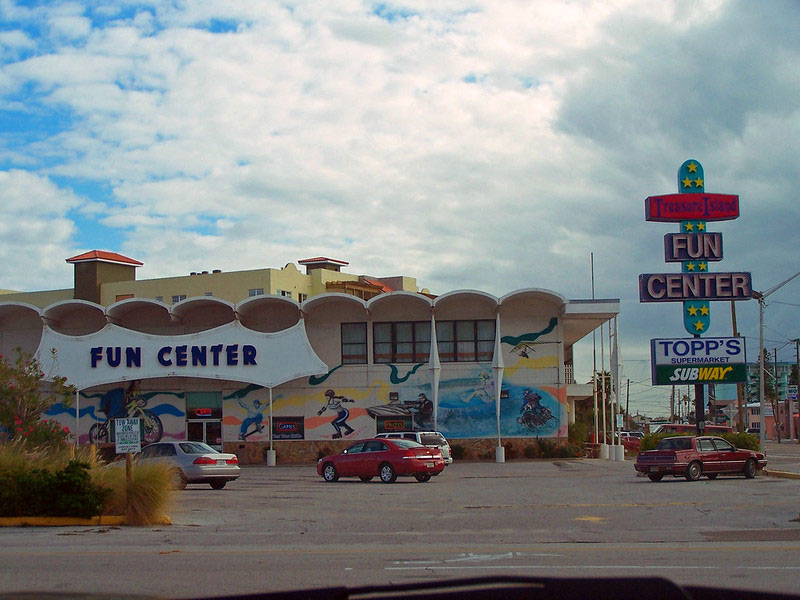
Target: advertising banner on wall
x=288 y=428
x=680 y=361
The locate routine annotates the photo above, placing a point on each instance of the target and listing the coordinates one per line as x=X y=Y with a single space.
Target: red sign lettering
x=674 y=208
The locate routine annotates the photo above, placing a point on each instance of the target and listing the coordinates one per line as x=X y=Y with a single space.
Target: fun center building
x=300 y=361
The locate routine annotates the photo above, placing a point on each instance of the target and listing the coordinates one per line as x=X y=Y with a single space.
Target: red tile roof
x=379 y=284
x=103 y=256
x=322 y=259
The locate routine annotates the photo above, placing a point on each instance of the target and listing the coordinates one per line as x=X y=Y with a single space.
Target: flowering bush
x=25 y=396
x=42 y=433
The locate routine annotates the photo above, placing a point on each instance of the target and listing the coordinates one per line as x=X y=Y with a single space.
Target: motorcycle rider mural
x=334 y=403
x=532 y=413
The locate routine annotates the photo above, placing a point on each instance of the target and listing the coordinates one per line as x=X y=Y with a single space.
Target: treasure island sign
x=688 y=360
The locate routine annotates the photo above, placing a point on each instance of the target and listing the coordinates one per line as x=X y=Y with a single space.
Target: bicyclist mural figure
x=334 y=402
x=118 y=403
x=255 y=416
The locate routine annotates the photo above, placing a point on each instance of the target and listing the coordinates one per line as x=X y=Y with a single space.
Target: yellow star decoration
x=689 y=227
x=698 y=182
x=704 y=310
x=692 y=168
x=692 y=311
x=699 y=326
x=690 y=266
x=701 y=227
x=687 y=182
x=703 y=266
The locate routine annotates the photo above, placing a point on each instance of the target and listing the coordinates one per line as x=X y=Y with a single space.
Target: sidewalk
x=783 y=460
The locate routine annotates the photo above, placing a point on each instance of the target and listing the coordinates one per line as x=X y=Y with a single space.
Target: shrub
x=530 y=451
x=578 y=432
x=457 y=451
x=68 y=492
x=44 y=433
x=510 y=451
x=149 y=495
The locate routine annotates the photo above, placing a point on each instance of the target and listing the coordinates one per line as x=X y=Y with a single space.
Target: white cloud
x=488 y=145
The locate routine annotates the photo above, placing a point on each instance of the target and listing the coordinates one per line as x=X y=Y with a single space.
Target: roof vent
x=205 y=272
x=217 y=271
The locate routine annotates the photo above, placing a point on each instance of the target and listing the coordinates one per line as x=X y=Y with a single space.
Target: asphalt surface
x=283 y=528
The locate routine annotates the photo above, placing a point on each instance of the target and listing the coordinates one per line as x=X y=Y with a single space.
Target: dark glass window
x=354 y=343
x=465 y=341
x=402 y=342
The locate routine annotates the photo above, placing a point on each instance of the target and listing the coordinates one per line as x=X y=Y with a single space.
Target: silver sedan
x=194 y=462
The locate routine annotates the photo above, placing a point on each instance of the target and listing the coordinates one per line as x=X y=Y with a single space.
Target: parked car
x=386 y=458
x=754 y=431
x=692 y=457
x=630 y=442
x=426 y=438
x=193 y=462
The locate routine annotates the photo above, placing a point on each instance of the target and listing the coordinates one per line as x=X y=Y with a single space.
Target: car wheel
x=693 y=471
x=217 y=485
x=365 y=477
x=387 y=473
x=711 y=475
x=655 y=476
x=329 y=473
x=750 y=468
x=422 y=477
x=178 y=479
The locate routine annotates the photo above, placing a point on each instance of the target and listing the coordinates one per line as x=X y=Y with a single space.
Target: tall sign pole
x=694 y=360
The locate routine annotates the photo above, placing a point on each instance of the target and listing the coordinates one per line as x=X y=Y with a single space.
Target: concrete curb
x=781 y=474
x=108 y=520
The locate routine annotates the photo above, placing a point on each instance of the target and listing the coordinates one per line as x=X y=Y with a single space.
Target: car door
x=374 y=454
x=731 y=459
x=708 y=455
x=347 y=463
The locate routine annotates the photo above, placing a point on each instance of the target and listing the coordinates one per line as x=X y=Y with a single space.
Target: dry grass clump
x=150 y=494
x=16 y=456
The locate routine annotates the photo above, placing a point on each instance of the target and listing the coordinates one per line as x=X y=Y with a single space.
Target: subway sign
x=680 y=361
x=674 y=208
x=682 y=287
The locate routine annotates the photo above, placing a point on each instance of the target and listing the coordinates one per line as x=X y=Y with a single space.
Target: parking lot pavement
x=783 y=459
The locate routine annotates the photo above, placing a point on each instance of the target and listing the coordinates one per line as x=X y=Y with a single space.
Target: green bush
x=68 y=492
x=530 y=451
x=510 y=451
x=457 y=451
x=578 y=432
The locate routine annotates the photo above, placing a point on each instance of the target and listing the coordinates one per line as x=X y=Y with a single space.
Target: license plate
x=654 y=469
x=220 y=461
x=430 y=465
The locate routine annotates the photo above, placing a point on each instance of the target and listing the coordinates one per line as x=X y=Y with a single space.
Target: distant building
x=330 y=356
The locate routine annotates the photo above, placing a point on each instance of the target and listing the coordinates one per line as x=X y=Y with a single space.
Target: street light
x=761 y=296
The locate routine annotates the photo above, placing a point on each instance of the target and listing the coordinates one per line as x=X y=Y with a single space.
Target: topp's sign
x=698 y=360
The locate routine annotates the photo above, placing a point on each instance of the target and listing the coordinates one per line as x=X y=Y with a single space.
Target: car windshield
x=407 y=444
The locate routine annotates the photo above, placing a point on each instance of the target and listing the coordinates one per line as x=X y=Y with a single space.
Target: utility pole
x=776 y=403
x=739 y=386
x=672 y=405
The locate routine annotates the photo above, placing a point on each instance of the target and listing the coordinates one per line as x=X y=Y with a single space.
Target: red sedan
x=696 y=456
x=386 y=458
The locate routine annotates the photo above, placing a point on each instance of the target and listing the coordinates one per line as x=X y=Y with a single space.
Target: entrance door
x=204 y=418
x=209 y=432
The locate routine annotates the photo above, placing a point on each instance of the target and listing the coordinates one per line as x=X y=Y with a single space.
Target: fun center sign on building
x=694 y=360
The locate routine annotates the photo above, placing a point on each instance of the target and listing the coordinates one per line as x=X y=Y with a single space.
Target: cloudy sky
x=490 y=145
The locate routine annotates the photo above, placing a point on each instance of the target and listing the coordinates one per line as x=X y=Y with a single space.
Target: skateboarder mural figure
x=255 y=416
x=334 y=403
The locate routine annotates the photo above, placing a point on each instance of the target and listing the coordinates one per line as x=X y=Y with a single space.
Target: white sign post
x=127 y=435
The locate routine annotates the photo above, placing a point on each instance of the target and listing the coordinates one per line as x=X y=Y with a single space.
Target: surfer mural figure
x=334 y=402
x=532 y=413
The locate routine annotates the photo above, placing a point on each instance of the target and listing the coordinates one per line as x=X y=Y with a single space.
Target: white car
x=193 y=462
x=426 y=438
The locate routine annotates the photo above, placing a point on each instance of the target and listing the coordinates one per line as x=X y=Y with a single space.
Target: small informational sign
x=128 y=434
x=678 y=361
x=393 y=423
x=619 y=420
x=288 y=428
x=791 y=392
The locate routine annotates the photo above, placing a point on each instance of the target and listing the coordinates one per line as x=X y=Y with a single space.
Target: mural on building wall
x=245 y=414
x=163 y=413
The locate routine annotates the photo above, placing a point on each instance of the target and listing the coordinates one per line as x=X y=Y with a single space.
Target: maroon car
x=696 y=456
x=385 y=458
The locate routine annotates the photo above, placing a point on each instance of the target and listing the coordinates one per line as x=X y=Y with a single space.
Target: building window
x=255 y=292
x=403 y=342
x=178 y=298
x=285 y=293
x=209 y=294
x=354 y=343
x=302 y=297
x=159 y=298
x=123 y=297
x=465 y=341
